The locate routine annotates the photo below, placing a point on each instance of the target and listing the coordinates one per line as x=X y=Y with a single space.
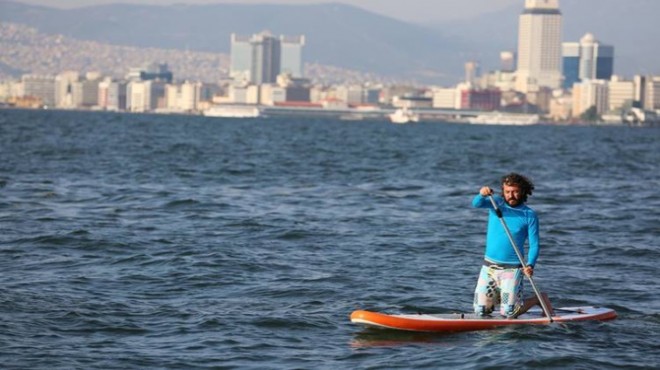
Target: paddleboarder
x=511 y=222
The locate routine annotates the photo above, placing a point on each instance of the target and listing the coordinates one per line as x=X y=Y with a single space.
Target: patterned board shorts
x=501 y=286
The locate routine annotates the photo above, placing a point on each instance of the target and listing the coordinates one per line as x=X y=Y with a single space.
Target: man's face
x=512 y=195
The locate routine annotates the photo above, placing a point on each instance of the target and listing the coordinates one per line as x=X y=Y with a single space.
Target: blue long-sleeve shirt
x=523 y=223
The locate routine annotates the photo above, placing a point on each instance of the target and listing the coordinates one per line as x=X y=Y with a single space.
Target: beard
x=513 y=202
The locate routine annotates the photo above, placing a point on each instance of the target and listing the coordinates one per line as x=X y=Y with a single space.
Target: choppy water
x=131 y=241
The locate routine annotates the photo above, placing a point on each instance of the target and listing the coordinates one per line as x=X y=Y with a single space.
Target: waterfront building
x=243 y=94
x=412 y=101
x=10 y=90
x=445 y=98
x=64 y=89
x=539 y=46
x=112 y=95
x=138 y=96
x=272 y=94
x=371 y=95
x=484 y=100
x=40 y=87
x=561 y=106
x=640 y=89
x=588 y=94
x=85 y=93
x=182 y=97
x=587 y=59
x=652 y=93
x=351 y=94
x=621 y=94
x=145 y=96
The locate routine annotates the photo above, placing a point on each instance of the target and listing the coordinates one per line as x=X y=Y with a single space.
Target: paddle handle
x=498 y=212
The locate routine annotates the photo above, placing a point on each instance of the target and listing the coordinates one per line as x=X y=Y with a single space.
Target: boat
x=233 y=111
x=458 y=322
x=500 y=118
x=404 y=115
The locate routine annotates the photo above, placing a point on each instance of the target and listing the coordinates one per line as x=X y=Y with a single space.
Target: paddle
x=498 y=212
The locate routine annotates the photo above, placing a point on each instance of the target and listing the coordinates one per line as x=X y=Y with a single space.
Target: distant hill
x=352 y=38
x=338 y=35
x=631 y=26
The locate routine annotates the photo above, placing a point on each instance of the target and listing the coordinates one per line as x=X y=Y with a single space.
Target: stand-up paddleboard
x=468 y=322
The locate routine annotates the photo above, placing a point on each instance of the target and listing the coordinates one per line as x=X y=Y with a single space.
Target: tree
x=590 y=115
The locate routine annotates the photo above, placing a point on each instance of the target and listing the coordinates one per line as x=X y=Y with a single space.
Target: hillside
x=337 y=35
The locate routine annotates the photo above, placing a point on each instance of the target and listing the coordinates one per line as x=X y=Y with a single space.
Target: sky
x=418 y=11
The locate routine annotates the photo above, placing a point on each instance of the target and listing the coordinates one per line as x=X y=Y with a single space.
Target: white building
x=446 y=98
x=138 y=96
x=539 y=46
x=351 y=94
x=621 y=93
x=590 y=93
x=64 y=89
x=183 y=97
x=85 y=93
x=271 y=94
x=652 y=93
x=243 y=94
x=40 y=87
x=112 y=94
x=10 y=90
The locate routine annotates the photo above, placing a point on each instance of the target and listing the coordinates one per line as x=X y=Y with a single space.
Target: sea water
x=181 y=242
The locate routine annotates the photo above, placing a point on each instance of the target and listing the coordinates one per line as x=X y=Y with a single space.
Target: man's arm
x=533 y=235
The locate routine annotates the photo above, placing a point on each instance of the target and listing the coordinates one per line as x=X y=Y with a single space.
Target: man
x=501 y=276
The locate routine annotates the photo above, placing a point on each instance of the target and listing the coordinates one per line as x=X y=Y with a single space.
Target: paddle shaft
x=520 y=257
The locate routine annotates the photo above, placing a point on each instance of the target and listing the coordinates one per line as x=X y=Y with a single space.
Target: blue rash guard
x=523 y=224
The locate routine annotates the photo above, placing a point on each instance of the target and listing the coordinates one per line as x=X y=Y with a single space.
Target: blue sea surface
x=181 y=242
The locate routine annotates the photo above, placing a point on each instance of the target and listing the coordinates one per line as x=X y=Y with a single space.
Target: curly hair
x=514 y=179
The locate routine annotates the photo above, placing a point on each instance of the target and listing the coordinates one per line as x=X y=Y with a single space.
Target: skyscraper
x=587 y=59
x=292 y=55
x=266 y=58
x=539 y=46
x=240 y=57
x=260 y=58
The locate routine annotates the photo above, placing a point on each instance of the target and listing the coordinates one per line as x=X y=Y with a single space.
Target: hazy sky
x=408 y=10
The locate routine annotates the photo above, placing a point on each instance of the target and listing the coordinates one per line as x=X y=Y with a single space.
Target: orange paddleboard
x=469 y=322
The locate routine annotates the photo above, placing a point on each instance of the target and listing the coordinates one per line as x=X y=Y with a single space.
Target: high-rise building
x=539 y=46
x=262 y=57
x=587 y=59
x=292 y=55
x=240 y=57
x=266 y=58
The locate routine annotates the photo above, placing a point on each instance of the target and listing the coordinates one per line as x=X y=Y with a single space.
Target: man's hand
x=486 y=191
x=528 y=271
